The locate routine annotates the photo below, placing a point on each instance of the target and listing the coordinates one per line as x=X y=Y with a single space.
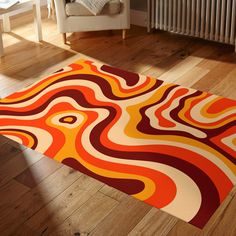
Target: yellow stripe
x=85 y=70
x=112 y=80
x=131 y=130
x=215 y=115
x=69 y=150
x=15 y=133
x=203 y=112
x=37 y=89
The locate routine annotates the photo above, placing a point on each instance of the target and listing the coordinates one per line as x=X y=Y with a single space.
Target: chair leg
x=124 y=34
x=64 y=37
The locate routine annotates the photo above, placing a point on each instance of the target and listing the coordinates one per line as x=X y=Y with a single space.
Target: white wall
x=140 y=5
x=139 y=12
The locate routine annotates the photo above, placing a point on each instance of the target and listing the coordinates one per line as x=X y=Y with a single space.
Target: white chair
x=74 y=17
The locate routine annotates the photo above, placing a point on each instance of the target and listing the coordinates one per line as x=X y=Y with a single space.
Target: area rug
x=169 y=146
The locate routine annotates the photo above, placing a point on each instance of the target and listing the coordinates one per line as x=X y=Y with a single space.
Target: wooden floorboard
x=64 y=205
x=123 y=218
x=88 y=216
x=7 y=152
x=39 y=196
x=34 y=174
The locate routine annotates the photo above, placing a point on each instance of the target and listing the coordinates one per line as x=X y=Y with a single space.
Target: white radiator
x=208 y=19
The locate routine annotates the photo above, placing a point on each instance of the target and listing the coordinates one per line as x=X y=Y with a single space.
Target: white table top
x=21 y=4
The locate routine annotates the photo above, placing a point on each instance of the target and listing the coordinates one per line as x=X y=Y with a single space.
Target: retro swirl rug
x=169 y=146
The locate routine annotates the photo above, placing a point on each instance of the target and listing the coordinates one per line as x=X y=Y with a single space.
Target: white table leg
x=37 y=20
x=148 y=16
x=49 y=8
x=6 y=23
x=1 y=43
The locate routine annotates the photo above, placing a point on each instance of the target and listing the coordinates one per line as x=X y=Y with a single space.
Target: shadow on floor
x=22 y=195
x=34 y=57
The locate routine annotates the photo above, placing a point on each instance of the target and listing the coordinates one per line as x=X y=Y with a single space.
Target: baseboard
x=138 y=18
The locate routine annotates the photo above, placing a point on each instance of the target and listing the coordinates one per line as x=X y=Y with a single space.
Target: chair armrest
x=126 y=11
x=126 y=5
x=60 y=9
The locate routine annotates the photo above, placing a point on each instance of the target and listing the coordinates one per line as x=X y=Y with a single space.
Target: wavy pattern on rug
x=170 y=146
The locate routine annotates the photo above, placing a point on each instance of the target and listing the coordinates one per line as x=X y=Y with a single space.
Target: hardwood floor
x=39 y=196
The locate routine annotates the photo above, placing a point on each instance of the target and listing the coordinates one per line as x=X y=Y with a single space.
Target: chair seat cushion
x=77 y=9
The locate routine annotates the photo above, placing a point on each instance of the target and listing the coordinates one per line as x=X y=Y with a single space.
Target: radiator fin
x=208 y=19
